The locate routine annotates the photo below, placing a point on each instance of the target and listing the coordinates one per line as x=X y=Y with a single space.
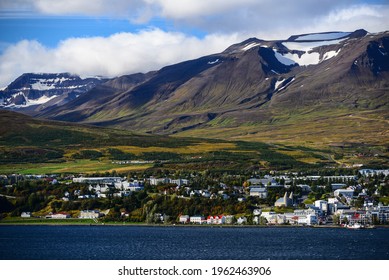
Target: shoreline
x=124 y=224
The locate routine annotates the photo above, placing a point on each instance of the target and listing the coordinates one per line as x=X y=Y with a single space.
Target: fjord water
x=181 y=243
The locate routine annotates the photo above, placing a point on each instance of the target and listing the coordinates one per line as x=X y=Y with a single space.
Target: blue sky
x=111 y=38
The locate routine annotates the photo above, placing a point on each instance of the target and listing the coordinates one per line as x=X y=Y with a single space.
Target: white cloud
x=185 y=9
x=373 y=18
x=269 y=19
x=118 y=54
x=125 y=53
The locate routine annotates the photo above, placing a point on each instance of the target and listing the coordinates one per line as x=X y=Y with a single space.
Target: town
x=354 y=201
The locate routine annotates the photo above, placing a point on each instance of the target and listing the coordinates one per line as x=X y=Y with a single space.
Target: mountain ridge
x=39 y=91
x=247 y=87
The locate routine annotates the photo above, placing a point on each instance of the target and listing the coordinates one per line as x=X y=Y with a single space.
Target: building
x=336 y=186
x=158 y=181
x=133 y=186
x=241 y=220
x=26 y=215
x=97 y=180
x=184 y=219
x=273 y=218
x=266 y=181
x=61 y=215
x=308 y=220
x=343 y=192
x=322 y=205
x=216 y=220
x=285 y=201
x=180 y=182
x=372 y=172
x=304 y=188
x=260 y=192
x=89 y=214
x=197 y=220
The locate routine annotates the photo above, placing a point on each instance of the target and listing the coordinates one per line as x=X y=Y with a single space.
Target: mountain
x=326 y=87
x=36 y=92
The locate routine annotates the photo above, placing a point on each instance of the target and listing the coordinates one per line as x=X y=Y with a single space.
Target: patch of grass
x=19 y=220
x=77 y=166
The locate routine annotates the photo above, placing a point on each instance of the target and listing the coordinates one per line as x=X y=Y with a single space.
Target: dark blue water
x=180 y=243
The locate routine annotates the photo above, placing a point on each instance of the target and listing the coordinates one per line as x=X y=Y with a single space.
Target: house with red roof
x=216 y=220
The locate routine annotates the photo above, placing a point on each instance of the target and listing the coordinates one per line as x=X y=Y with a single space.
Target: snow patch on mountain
x=250 y=46
x=283 y=59
x=309 y=57
x=30 y=102
x=48 y=84
x=213 y=62
x=282 y=84
x=303 y=60
x=330 y=54
x=40 y=85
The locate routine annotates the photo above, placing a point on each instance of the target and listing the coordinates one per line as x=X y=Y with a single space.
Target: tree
x=336 y=219
x=5 y=205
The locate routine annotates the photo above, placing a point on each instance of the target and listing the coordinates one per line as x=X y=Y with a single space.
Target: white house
x=307 y=220
x=346 y=193
x=61 y=215
x=216 y=220
x=156 y=181
x=89 y=214
x=322 y=205
x=97 y=180
x=184 y=219
x=180 y=182
x=260 y=192
x=241 y=220
x=273 y=218
x=26 y=215
x=197 y=220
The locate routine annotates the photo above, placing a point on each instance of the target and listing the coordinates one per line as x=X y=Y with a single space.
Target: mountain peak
x=244 y=46
x=39 y=88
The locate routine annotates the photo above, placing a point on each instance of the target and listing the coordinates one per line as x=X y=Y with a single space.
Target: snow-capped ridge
x=38 y=88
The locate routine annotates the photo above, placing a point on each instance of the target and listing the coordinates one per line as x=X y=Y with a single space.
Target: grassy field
x=31 y=146
x=76 y=166
x=306 y=128
x=43 y=221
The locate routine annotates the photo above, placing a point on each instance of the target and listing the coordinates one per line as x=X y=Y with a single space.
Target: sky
x=118 y=37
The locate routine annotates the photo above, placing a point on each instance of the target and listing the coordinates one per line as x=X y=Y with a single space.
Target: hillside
x=34 y=146
x=311 y=89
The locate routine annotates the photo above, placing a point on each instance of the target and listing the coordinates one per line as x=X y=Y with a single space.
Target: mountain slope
x=35 y=146
x=256 y=89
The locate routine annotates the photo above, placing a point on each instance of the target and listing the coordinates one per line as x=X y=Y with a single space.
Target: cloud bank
x=118 y=54
x=225 y=22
